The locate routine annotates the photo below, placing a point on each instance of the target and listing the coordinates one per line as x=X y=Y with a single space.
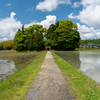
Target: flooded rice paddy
x=12 y=62
x=87 y=62
x=7 y=67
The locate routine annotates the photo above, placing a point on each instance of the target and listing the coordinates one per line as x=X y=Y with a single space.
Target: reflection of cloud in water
x=89 y=60
x=6 y=68
x=90 y=64
x=94 y=74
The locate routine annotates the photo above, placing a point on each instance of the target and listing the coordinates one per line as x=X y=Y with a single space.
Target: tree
x=20 y=40
x=30 y=38
x=63 y=36
x=6 y=45
x=50 y=34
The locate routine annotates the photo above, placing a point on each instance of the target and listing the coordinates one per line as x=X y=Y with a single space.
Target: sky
x=15 y=13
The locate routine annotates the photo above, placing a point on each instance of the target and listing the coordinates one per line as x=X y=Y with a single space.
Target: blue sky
x=14 y=13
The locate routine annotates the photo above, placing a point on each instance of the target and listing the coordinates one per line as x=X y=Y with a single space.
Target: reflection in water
x=90 y=65
x=87 y=62
x=7 y=68
x=71 y=57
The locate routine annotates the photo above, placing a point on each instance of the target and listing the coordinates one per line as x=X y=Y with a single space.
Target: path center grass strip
x=16 y=87
x=81 y=86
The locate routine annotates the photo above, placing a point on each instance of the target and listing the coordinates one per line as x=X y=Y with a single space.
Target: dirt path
x=50 y=83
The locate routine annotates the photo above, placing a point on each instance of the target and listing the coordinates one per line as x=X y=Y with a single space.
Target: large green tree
x=63 y=35
x=30 y=38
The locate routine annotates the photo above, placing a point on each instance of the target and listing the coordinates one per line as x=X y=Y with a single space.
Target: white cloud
x=76 y=4
x=50 y=19
x=8 y=4
x=50 y=5
x=90 y=14
x=9 y=27
x=88 y=32
x=86 y=3
x=71 y=16
x=3 y=39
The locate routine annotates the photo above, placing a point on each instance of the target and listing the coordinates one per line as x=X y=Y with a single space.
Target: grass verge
x=81 y=86
x=16 y=86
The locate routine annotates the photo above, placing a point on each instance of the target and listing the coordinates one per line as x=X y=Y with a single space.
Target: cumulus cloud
x=50 y=5
x=50 y=19
x=90 y=13
x=8 y=4
x=86 y=3
x=9 y=27
x=88 y=32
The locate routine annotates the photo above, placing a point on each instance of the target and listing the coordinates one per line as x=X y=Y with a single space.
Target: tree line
x=6 y=45
x=92 y=41
x=62 y=35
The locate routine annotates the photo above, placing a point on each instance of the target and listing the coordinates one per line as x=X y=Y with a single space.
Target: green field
x=82 y=87
x=16 y=86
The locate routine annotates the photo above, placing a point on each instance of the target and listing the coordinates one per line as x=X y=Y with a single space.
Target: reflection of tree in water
x=71 y=57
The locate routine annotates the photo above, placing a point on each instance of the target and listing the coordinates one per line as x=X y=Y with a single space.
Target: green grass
x=81 y=86
x=16 y=86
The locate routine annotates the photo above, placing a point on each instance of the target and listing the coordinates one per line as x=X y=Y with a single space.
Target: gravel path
x=50 y=83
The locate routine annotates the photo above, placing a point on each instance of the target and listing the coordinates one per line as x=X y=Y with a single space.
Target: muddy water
x=87 y=62
x=7 y=67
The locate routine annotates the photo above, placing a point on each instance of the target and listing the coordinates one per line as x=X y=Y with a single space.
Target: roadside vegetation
x=82 y=87
x=16 y=86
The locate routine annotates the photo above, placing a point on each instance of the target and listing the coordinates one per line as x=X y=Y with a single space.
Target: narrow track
x=49 y=83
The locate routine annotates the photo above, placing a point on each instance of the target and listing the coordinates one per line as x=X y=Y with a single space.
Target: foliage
x=92 y=41
x=6 y=45
x=30 y=38
x=63 y=35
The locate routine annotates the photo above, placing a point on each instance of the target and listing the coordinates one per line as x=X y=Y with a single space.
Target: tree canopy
x=30 y=38
x=6 y=45
x=63 y=35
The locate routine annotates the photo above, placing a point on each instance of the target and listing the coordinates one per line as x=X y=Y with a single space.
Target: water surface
x=7 y=67
x=87 y=62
